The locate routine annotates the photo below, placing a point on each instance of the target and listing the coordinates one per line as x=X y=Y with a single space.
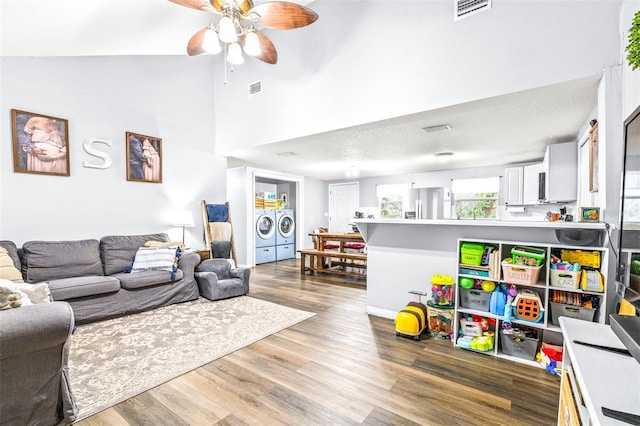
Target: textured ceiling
x=513 y=128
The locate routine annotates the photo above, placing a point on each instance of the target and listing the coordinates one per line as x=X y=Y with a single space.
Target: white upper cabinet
x=561 y=172
x=514 y=179
x=530 y=193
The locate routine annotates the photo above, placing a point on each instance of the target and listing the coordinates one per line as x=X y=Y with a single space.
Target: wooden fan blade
x=282 y=15
x=243 y=5
x=269 y=54
x=194 y=47
x=204 y=5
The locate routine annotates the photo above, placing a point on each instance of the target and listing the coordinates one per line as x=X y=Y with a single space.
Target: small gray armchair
x=34 y=369
x=217 y=280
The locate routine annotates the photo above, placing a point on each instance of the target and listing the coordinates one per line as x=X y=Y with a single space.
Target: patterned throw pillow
x=156 y=259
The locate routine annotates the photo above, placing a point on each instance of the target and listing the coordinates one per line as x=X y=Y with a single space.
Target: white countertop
x=606 y=379
x=491 y=222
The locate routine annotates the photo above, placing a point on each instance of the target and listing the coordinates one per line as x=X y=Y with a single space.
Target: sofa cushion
x=118 y=251
x=72 y=288
x=48 y=260
x=146 y=278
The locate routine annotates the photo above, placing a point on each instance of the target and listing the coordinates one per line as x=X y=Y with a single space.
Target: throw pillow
x=15 y=295
x=156 y=259
x=167 y=244
x=8 y=270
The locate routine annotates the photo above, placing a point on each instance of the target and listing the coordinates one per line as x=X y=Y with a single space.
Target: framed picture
x=589 y=214
x=144 y=158
x=593 y=158
x=40 y=143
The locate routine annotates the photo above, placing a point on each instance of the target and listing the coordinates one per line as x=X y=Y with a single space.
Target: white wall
x=381 y=59
x=630 y=78
x=316 y=205
x=104 y=97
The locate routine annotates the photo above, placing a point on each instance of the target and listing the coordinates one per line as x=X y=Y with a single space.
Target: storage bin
x=442 y=290
x=561 y=310
x=520 y=274
x=470 y=328
x=475 y=299
x=519 y=345
x=440 y=320
x=584 y=258
x=471 y=254
x=566 y=279
x=529 y=256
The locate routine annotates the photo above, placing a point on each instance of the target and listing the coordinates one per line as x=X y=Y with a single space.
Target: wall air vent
x=255 y=88
x=464 y=8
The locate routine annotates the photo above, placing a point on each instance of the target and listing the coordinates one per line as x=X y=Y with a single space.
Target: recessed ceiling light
x=438 y=128
x=286 y=154
x=443 y=157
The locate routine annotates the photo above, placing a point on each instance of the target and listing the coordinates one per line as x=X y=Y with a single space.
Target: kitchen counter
x=402 y=254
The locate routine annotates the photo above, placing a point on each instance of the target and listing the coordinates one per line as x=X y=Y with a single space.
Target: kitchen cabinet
x=530 y=193
x=560 y=168
x=514 y=180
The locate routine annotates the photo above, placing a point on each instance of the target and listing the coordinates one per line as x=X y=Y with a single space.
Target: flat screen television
x=629 y=259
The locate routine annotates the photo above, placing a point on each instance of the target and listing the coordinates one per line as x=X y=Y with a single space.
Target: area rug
x=114 y=360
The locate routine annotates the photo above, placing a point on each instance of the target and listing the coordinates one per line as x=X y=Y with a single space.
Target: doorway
x=344 y=199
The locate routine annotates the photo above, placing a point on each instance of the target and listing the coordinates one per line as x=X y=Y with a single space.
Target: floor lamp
x=183 y=218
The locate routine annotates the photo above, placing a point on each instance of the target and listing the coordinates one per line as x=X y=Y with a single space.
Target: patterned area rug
x=117 y=359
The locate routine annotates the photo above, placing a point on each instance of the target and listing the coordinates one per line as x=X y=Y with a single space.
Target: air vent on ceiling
x=255 y=88
x=464 y=8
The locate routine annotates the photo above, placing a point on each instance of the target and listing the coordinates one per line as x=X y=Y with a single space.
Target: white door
x=344 y=199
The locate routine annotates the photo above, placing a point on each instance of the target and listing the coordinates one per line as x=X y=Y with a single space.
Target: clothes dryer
x=285 y=234
x=265 y=235
x=286 y=227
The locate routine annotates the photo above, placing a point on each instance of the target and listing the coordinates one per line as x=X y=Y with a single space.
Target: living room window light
x=476 y=198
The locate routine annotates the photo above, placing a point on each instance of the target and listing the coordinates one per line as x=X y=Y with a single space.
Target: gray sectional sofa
x=90 y=275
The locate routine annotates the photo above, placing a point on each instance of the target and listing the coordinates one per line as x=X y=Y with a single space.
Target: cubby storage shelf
x=549 y=332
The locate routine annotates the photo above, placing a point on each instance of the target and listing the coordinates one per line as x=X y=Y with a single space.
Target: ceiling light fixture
x=443 y=157
x=235 y=31
x=438 y=128
x=352 y=172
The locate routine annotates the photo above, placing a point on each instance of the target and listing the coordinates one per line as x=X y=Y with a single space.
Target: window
x=476 y=198
x=631 y=209
x=390 y=200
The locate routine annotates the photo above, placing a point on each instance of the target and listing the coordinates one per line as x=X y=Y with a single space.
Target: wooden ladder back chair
x=222 y=213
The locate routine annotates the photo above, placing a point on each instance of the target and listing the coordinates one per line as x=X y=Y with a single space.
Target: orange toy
x=527 y=306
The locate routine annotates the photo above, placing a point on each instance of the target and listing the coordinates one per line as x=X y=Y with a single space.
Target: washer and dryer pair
x=275 y=235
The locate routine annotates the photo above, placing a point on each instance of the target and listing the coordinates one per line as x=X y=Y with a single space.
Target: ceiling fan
x=237 y=27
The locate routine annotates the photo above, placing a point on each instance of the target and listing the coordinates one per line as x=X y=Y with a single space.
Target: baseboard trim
x=378 y=312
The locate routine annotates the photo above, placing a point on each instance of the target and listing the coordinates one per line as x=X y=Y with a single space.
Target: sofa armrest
x=32 y=328
x=242 y=273
x=207 y=282
x=34 y=364
x=188 y=262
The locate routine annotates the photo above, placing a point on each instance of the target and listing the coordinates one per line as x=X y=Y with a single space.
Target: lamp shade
x=211 y=41
x=227 y=30
x=234 y=56
x=183 y=218
x=252 y=44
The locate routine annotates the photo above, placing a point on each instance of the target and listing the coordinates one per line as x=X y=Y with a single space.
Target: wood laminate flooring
x=342 y=367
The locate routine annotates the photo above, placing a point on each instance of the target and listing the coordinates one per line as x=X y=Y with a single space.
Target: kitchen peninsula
x=402 y=254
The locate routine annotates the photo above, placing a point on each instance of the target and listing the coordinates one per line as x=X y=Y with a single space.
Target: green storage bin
x=528 y=256
x=471 y=254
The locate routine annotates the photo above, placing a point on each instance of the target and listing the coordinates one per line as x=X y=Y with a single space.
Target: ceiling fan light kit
x=236 y=28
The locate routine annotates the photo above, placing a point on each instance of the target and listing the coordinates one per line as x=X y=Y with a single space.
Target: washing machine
x=285 y=234
x=265 y=236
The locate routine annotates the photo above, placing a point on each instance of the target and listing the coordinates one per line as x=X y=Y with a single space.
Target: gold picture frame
x=40 y=143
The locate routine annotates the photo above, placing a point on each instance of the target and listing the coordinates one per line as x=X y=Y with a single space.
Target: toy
x=412 y=320
x=442 y=289
x=497 y=301
x=527 y=306
x=466 y=283
x=508 y=307
x=487 y=286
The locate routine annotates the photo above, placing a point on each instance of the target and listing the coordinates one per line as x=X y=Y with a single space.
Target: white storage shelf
x=542 y=287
